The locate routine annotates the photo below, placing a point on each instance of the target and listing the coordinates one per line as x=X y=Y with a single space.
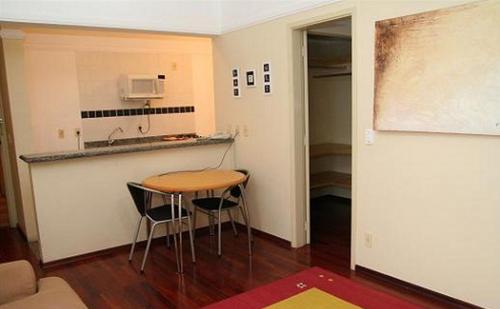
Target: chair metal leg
x=147 y=246
x=249 y=235
x=134 y=240
x=219 y=236
x=211 y=224
x=167 y=231
x=195 y=210
x=232 y=222
x=191 y=238
x=245 y=205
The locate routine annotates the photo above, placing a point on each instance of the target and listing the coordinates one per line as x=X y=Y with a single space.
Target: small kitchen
x=105 y=108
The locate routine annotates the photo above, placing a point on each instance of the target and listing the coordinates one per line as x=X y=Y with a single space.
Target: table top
x=194 y=181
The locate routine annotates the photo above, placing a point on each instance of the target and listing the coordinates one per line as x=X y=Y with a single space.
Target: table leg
x=149 y=202
x=180 y=234
x=172 y=205
x=249 y=227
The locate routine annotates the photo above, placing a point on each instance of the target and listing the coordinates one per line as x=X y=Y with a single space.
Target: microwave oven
x=141 y=86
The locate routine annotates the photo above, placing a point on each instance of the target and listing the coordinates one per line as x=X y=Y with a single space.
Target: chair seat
x=212 y=203
x=164 y=213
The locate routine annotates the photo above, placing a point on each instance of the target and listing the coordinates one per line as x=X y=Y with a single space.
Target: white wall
x=44 y=90
x=72 y=71
x=53 y=96
x=193 y=16
x=21 y=115
x=431 y=201
x=94 y=211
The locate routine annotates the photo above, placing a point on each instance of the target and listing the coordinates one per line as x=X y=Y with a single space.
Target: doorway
x=328 y=129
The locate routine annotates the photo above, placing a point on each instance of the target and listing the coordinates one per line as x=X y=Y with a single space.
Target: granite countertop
x=103 y=151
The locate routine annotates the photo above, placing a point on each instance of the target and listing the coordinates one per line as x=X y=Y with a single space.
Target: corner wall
x=431 y=201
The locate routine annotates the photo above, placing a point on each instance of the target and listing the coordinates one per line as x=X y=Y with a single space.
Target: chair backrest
x=235 y=191
x=140 y=196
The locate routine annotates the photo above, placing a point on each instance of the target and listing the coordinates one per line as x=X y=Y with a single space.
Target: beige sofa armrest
x=17 y=280
x=53 y=293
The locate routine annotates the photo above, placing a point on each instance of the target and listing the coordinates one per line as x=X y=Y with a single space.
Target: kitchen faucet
x=111 y=141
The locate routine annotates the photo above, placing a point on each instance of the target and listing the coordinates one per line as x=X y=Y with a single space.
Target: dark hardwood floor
x=110 y=281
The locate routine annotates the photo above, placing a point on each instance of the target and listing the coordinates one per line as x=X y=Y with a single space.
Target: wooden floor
x=110 y=281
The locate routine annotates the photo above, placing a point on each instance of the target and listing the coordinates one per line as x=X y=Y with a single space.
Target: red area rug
x=287 y=292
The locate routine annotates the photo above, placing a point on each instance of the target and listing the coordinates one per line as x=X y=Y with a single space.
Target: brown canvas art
x=439 y=71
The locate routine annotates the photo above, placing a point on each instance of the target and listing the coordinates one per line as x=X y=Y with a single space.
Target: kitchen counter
x=103 y=151
x=91 y=185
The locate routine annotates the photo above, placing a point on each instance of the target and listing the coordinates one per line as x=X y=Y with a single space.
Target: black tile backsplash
x=136 y=111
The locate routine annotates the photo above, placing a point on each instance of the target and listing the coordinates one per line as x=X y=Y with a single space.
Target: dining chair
x=213 y=206
x=142 y=198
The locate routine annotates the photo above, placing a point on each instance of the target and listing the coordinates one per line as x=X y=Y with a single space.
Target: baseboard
x=445 y=299
x=113 y=250
x=275 y=239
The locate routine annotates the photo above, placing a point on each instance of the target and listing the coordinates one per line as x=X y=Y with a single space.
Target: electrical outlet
x=369 y=136
x=368 y=240
x=60 y=133
x=174 y=66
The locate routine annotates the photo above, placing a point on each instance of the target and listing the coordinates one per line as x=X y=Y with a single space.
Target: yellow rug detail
x=313 y=298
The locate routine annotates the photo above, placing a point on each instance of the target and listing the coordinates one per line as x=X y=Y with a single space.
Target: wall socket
x=60 y=133
x=369 y=136
x=368 y=240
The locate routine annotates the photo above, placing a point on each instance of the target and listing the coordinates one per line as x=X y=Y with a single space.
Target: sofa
x=20 y=289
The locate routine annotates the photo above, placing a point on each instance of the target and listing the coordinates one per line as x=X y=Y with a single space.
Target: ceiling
x=210 y=17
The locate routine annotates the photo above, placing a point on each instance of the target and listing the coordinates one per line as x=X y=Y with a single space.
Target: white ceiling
x=210 y=17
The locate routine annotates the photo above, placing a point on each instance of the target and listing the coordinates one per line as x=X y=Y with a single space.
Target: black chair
x=142 y=197
x=233 y=197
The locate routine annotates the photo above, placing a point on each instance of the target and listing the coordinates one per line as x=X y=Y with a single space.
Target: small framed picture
x=250 y=78
x=236 y=92
x=235 y=72
x=267 y=78
x=235 y=83
x=267 y=89
x=266 y=67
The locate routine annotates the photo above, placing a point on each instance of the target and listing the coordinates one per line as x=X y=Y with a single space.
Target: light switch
x=369 y=136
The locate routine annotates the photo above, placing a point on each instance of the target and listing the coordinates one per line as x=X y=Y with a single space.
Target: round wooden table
x=185 y=182
x=177 y=183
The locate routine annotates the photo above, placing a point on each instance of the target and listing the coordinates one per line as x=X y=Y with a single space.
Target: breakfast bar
x=81 y=200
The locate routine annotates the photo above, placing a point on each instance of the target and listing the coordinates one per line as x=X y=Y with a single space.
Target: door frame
x=299 y=138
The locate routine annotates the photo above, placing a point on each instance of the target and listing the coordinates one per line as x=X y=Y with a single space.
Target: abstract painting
x=439 y=71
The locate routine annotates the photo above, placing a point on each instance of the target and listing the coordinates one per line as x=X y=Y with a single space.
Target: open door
x=306 y=136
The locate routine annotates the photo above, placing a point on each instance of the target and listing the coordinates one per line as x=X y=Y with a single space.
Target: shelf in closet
x=330 y=179
x=329 y=149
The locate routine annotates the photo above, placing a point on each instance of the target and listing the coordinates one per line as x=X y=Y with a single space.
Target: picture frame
x=267 y=89
x=235 y=82
x=250 y=77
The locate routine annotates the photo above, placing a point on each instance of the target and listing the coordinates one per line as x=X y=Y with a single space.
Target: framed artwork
x=250 y=78
x=439 y=71
x=266 y=76
x=235 y=74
